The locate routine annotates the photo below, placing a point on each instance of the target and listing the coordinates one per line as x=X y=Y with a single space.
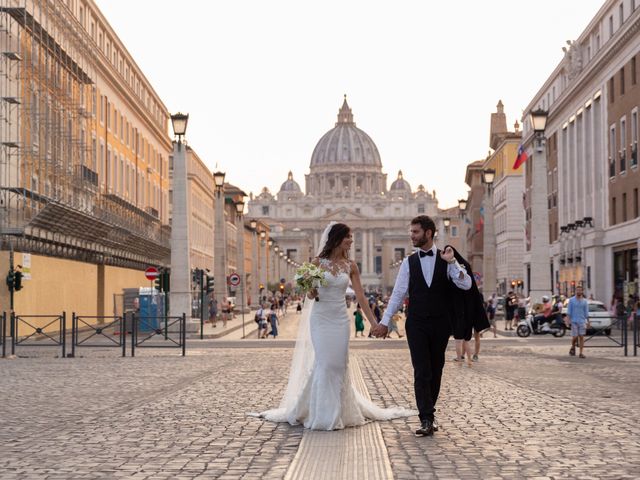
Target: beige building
x=590 y=159
x=506 y=202
x=84 y=152
x=200 y=208
x=346 y=184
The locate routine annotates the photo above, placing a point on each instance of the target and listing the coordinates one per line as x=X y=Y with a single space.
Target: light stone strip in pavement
x=357 y=452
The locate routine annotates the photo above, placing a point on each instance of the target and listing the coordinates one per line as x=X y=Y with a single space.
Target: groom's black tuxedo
x=428 y=329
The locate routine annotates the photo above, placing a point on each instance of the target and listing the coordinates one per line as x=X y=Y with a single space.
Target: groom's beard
x=419 y=243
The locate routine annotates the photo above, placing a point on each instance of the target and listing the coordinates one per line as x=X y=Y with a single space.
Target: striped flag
x=521 y=158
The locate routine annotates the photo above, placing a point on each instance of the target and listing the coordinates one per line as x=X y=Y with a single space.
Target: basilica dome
x=400 y=184
x=290 y=185
x=345 y=144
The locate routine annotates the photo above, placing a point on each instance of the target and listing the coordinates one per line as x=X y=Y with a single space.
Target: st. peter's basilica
x=346 y=184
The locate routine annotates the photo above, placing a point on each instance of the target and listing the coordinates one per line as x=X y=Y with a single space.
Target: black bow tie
x=427 y=253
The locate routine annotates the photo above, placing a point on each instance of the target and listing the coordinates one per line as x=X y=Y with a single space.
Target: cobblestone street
x=525 y=410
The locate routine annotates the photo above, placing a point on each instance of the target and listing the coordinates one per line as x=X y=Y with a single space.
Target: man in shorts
x=578 y=315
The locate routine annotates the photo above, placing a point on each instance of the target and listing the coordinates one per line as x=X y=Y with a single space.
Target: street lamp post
x=239 y=204
x=219 y=244
x=540 y=279
x=255 y=283
x=180 y=280
x=462 y=208
x=264 y=261
x=488 y=236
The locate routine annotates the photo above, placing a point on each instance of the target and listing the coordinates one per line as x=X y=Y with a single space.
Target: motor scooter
x=554 y=326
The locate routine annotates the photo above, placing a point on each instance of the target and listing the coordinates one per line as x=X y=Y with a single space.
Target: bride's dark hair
x=337 y=233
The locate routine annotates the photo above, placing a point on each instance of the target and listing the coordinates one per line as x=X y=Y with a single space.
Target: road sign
x=151 y=273
x=234 y=279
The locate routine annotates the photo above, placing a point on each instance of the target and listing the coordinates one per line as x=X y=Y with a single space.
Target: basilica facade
x=346 y=184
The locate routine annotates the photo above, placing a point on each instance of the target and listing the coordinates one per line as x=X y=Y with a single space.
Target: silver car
x=600 y=319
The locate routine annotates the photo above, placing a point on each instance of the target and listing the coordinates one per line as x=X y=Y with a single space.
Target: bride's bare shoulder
x=316 y=261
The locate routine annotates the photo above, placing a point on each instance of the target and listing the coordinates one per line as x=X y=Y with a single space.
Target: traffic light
x=196 y=275
x=11 y=280
x=210 y=283
x=157 y=283
x=17 y=280
x=165 y=275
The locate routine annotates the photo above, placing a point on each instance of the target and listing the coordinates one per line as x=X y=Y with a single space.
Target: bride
x=320 y=394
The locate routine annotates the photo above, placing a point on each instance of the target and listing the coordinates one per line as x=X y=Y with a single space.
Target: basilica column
x=372 y=251
x=365 y=252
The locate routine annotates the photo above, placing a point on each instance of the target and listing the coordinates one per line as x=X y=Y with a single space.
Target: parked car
x=600 y=318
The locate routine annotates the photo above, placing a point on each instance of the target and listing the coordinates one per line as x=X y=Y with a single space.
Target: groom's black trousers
x=427 y=338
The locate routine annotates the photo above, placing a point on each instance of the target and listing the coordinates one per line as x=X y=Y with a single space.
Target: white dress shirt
x=427 y=263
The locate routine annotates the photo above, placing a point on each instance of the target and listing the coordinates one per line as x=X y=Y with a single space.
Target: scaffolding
x=51 y=200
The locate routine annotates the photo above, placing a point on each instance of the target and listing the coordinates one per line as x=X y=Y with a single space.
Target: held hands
x=448 y=255
x=379 y=331
x=313 y=293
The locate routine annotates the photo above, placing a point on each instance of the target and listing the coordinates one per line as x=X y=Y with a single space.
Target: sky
x=262 y=81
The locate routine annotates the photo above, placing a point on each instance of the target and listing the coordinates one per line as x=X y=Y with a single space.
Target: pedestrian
x=226 y=310
x=491 y=307
x=578 y=317
x=469 y=315
x=261 y=320
x=213 y=311
x=510 y=308
x=522 y=307
x=375 y=308
x=299 y=308
x=491 y=314
x=393 y=325
x=273 y=320
x=359 y=321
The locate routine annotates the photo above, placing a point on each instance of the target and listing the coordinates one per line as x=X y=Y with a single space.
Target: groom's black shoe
x=426 y=429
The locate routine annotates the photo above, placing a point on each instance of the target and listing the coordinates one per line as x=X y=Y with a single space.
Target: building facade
x=590 y=158
x=84 y=149
x=506 y=198
x=346 y=184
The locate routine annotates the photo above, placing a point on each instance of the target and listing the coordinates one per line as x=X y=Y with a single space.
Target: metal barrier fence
x=98 y=332
x=618 y=335
x=159 y=332
x=3 y=335
x=37 y=336
x=636 y=334
x=92 y=331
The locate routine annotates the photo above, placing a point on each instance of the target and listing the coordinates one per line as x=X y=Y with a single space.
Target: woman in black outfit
x=468 y=313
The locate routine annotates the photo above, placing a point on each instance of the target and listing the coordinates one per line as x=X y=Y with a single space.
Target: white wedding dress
x=320 y=394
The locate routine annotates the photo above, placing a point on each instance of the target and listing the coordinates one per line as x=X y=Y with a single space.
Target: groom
x=429 y=276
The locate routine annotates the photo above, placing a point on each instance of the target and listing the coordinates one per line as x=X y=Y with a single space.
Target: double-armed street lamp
x=540 y=279
x=220 y=242
x=239 y=204
x=180 y=287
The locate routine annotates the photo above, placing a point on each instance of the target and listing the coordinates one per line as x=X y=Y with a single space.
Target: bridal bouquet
x=310 y=276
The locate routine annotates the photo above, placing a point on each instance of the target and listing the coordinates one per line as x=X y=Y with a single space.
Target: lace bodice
x=337 y=275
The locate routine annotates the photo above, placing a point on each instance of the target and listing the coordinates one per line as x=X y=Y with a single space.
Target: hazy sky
x=263 y=80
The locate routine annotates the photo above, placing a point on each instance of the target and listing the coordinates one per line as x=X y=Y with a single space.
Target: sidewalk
x=234 y=329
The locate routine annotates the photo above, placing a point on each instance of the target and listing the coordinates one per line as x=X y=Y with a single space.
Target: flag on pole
x=521 y=158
